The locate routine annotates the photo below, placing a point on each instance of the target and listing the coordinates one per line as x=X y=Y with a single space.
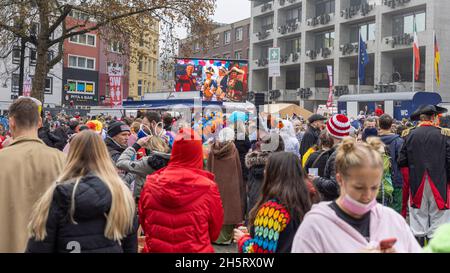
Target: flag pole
x=359 y=60
x=414 y=58
x=434 y=63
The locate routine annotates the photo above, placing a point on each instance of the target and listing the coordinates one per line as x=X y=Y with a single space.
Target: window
x=239 y=33
x=367 y=31
x=115 y=47
x=139 y=88
x=226 y=56
x=78 y=15
x=50 y=55
x=293 y=79
x=48 y=86
x=83 y=39
x=33 y=56
x=324 y=40
x=16 y=55
x=321 y=77
x=34 y=31
x=81 y=87
x=404 y=24
x=114 y=65
x=141 y=41
x=325 y=7
x=15 y=83
x=140 y=64
x=227 y=36
x=293 y=14
x=150 y=66
x=81 y=62
x=267 y=22
x=216 y=40
x=293 y=45
x=238 y=55
x=197 y=46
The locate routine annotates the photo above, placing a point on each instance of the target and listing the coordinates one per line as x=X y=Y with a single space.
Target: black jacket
x=427 y=149
x=92 y=203
x=318 y=160
x=62 y=135
x=255 y=162
x=49 y=138
x=327 y=185
x=310 y=138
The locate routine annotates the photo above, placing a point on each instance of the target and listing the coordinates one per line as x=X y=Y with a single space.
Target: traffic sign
x=274 y=62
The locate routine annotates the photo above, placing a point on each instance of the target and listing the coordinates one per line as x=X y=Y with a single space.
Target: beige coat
x=27 y=168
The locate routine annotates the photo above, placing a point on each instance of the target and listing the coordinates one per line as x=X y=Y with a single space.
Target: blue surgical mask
x=142 y=133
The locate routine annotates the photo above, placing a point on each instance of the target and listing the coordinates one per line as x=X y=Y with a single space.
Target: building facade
x=230 y=41
x=144 y=63
x=9 y=74
x=81 y=66
x=314 y=34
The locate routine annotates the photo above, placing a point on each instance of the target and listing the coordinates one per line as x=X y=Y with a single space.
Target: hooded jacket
x=180 y=209
x=224 y=163
x=310 y=138
x=92 y=202
x=394 y=143
x=142 y=167
x=255 y=162
x=322 y=231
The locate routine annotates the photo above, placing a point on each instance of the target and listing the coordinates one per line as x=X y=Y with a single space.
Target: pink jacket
x=322 y=231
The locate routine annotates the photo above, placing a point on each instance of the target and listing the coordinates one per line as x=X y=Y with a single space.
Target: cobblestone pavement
x=225 y=248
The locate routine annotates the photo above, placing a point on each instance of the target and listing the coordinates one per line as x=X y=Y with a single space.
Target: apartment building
x=314 y=34
x=228 y=41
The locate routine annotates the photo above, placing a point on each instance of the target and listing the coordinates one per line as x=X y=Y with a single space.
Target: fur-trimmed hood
x=256 y=158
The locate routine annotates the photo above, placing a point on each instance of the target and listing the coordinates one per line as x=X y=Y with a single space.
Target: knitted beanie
x=338 y=126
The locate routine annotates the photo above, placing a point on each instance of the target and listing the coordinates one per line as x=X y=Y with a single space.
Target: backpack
x=387 y=188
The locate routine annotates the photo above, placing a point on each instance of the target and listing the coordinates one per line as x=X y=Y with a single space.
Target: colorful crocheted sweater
x=270 y=222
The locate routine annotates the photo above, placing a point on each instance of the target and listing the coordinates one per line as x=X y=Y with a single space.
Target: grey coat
x=142 y=167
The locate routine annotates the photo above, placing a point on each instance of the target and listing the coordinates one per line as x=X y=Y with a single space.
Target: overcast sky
x=227 y=11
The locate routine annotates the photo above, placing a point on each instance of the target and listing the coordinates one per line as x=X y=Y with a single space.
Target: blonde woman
x=88 y=209
x=158 y=155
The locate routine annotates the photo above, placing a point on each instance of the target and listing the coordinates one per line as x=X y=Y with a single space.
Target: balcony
x=290 y=27
x=287 y=3
x=351 y=49
x=260 y=63
x=320 y=54
x=406 y=40
x=357 y=12
x=262 y=9
x=322 y=20
x=265 y=33
x=290 y=58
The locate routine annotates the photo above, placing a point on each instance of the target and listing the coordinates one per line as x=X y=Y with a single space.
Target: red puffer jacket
x=180 y=209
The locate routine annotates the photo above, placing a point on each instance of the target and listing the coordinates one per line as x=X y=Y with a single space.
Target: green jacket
x=440 y=242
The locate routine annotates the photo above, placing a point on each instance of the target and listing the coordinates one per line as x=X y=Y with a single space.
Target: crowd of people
x=153 y=183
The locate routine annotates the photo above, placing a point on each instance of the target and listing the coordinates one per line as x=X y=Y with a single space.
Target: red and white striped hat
x=338 y=126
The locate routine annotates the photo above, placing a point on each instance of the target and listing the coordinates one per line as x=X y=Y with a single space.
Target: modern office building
x=314 y=34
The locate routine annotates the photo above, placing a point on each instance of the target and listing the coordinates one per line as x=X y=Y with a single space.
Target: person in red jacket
x=180 y=209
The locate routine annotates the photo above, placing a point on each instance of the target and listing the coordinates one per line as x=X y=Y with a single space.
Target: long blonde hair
x=156 y=143
x=88 y=153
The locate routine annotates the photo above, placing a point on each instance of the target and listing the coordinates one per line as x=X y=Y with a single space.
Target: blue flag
x=363 y=60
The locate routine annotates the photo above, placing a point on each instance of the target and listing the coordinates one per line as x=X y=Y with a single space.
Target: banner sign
x=115 y=85
x=330 y=94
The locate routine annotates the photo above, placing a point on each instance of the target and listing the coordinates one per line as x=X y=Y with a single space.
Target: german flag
x=437 y=60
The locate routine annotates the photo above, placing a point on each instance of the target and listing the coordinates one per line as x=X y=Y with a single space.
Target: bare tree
x=112 y=19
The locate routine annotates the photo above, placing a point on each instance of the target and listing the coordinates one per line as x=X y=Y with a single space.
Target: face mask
x=356 y=207
x=142 y=133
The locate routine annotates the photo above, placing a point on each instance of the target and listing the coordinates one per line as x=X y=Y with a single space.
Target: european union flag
x=363 y=60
